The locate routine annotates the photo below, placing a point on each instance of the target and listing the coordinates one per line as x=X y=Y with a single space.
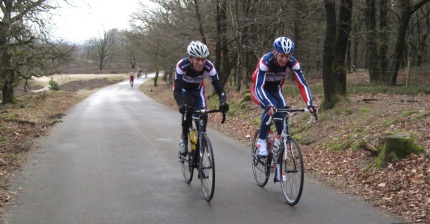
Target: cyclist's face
x=198 y=63
x=282 y=59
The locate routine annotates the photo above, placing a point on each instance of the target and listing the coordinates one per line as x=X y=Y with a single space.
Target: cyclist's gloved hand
x=183 y=108
x=271 y=110
x=313 y=109
x=224 y=107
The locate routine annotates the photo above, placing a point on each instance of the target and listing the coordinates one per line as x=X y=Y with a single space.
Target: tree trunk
x=406 y=12
x=355 y=43
x=330 y=97
x=344 y=27
x=383 y=39
x=372 y=53
x=400 y=46
x=133 y=62
x=299 y=6
x=220 y=14
x=6 y=76
x=422 y=46
x=156 y=77
x=239 y=33
x=8 y=94
x=396 y=146
x=226 y=68
x=200 y=21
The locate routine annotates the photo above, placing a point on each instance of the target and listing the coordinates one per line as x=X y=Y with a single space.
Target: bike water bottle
x=278 y=172
x=193 y=139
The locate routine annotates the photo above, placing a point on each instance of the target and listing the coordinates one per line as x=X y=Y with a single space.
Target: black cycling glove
x=224 y=107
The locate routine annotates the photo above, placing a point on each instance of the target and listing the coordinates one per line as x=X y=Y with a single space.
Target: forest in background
x=332 y=38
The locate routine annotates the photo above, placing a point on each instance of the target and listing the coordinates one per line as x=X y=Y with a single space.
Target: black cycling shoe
x=181 y=158
x=204 y=176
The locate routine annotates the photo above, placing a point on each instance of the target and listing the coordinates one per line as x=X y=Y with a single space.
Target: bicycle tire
x=291 y=161
x=207 y=167
x=260 y=165
x=187 y=166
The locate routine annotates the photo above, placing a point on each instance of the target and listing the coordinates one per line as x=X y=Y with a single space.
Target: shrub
x=53 y=85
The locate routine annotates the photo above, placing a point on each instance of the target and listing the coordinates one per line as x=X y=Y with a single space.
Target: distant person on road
x=268 y=78
x=146 y=73
x=131 y=80
x=189 y=88
x=139 y=73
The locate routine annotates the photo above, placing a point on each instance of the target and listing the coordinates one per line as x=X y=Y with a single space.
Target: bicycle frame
x=199 y=119
x=288 y=114
x=289 y=162
x=202 y=156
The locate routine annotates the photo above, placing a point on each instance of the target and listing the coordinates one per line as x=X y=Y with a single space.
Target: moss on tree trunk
x=396 y=146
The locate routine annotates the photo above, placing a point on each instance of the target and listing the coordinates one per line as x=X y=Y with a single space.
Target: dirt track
x=70 y=82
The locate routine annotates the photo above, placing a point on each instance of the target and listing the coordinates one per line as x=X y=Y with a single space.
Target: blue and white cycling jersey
x=194 y=80
x=269 y=77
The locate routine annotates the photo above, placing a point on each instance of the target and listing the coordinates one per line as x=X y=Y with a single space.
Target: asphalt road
x=113 y=159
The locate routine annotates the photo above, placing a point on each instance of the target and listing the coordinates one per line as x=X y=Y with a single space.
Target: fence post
x=408 y=71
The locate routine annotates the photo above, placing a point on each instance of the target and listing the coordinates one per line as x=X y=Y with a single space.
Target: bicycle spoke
x=207 y=168
x=292 y=171
x=187 y=167
x=259 y=164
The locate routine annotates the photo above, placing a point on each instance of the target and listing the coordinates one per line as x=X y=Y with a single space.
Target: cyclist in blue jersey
x=188 y=89
x=268 y=78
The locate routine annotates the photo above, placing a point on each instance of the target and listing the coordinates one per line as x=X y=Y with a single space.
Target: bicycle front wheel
x=207 y=168
x=260 y=165
x=187 y=166
x=292 y=171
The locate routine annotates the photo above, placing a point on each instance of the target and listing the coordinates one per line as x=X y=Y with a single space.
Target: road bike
x=287 y=164
x=131 y=83
x=200 y=153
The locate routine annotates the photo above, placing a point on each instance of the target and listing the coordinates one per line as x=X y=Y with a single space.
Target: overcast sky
x=92 y=17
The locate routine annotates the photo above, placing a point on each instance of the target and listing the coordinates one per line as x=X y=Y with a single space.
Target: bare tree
x=131 y=43
x=25 y=50
x=383 y=39
x=372 y=45
x=240 y=31
x=420 y=34
x=342 y=37
x=164 y=38
x=103 y=48
x=407 y=8
x=330 y=97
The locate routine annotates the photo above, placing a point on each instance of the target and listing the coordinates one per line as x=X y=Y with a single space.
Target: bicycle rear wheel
x=292 y=171
x=207 y=168
x=260 y=165
x=187 y=166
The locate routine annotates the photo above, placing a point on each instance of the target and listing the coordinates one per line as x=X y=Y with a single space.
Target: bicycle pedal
x=204 y=177
x=181 y=160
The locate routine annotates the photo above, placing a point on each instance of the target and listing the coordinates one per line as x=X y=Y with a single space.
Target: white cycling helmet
x=283 y=45
x=198 y=50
